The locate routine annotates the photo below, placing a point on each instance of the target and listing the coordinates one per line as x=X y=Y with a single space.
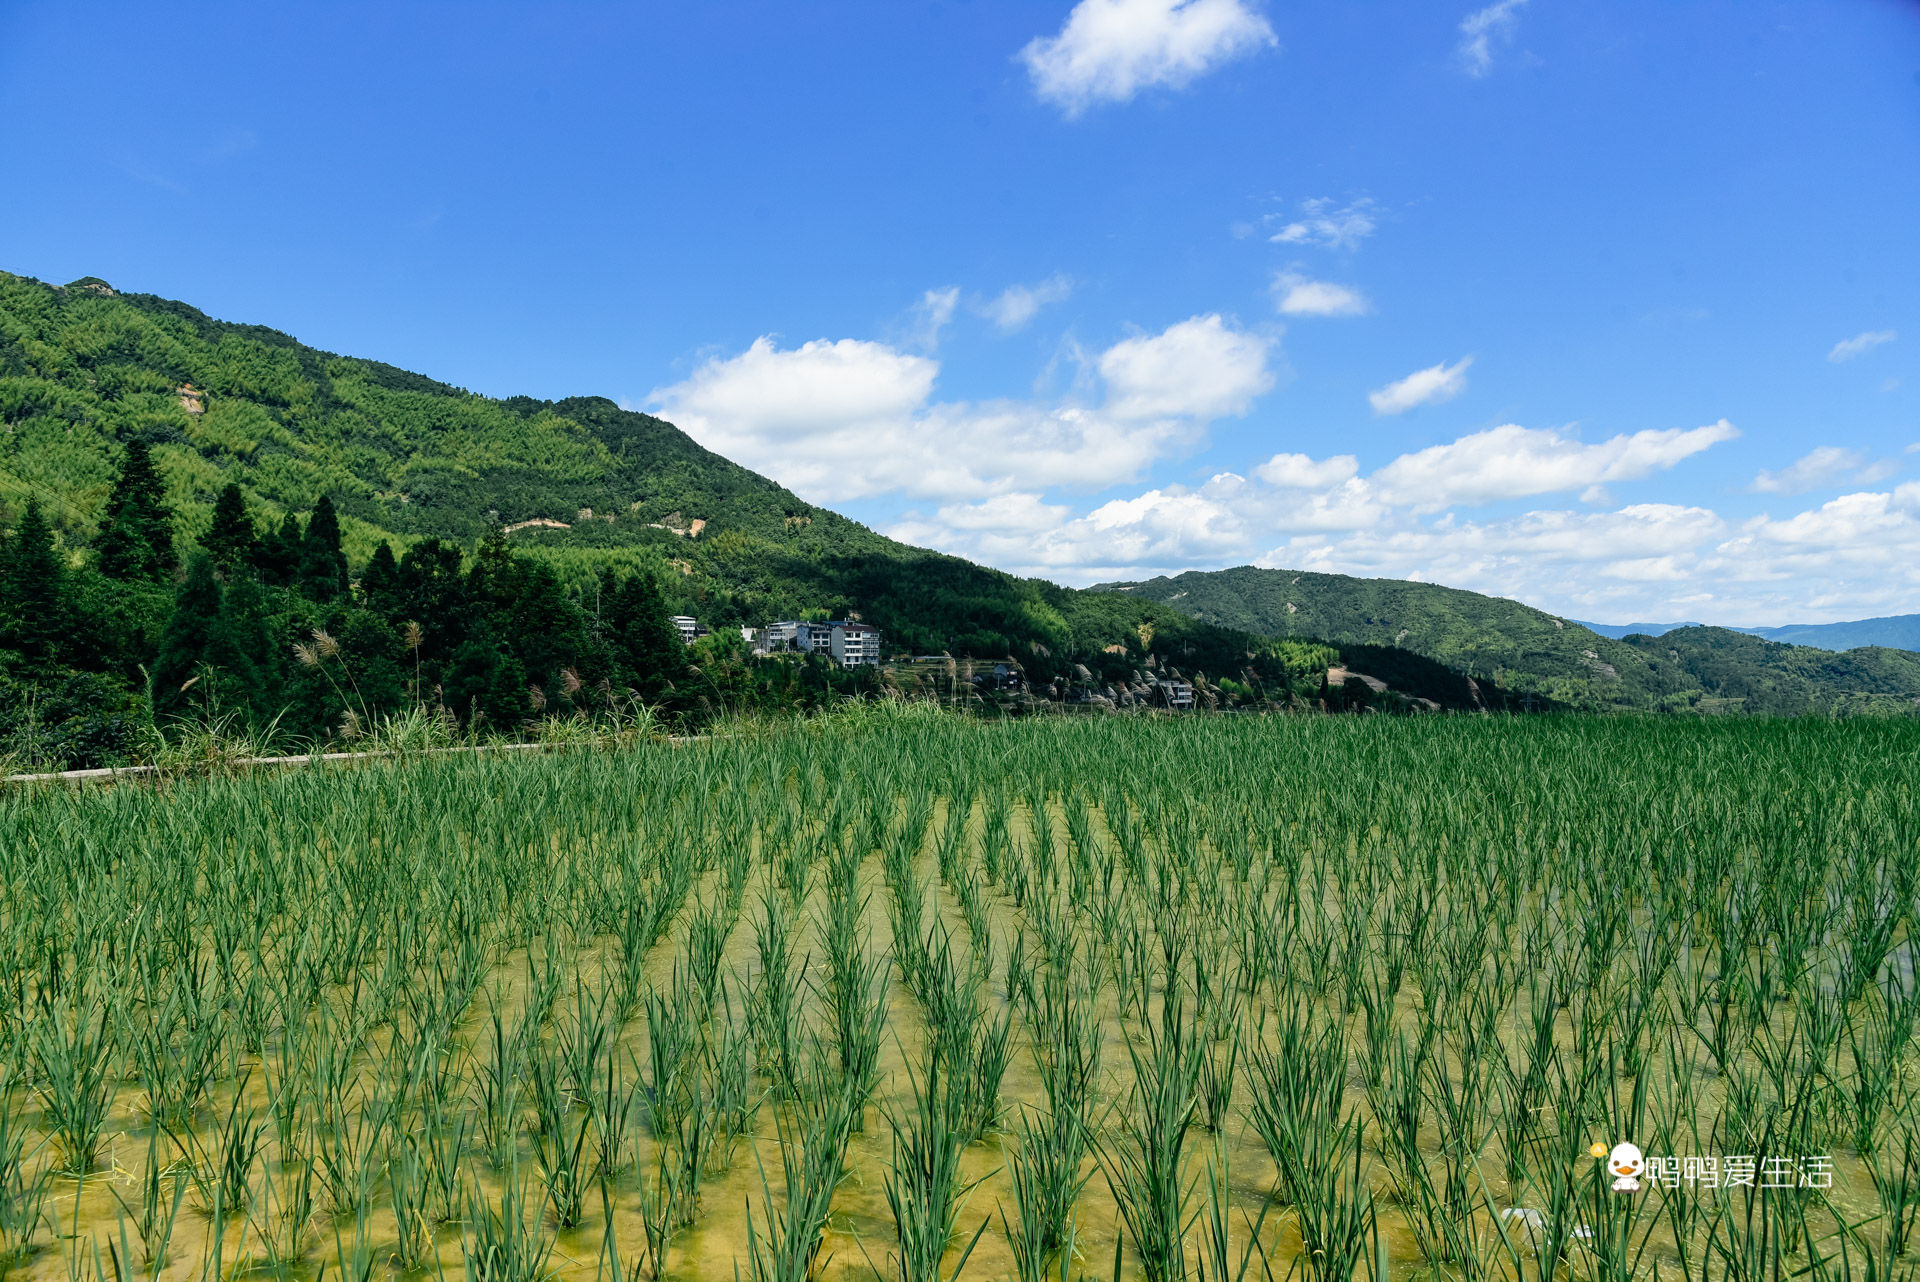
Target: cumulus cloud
x=1517 y=462
x=1018 y=304
x=1860 y=344
x=1302 y=472
x=1480 y=29
x=1295 y=295
x=1110 y=50
x=853 y=418
x=1428 y=386
x=1854 y=556
x=1336 y=518
x=1200 y=369
x=1167 y=528
x=1322 y=223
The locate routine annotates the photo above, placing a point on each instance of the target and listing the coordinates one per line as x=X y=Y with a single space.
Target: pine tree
x=277 y=555
x=323 y=566
x=644 y=641
x=136 y=534
x=191 y=634
x=231 y=541
x=246 y=647
x=380 y=581
x=33 y=604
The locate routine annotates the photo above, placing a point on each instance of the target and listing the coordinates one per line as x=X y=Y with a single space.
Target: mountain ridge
x=1893 y=631
x=588 y=487
x=1535 y=653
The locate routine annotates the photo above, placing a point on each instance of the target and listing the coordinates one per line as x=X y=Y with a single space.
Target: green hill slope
x=1531 y=652
x=579 y=484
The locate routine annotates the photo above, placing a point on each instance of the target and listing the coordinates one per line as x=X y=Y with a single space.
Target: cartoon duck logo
x=1627 y=1164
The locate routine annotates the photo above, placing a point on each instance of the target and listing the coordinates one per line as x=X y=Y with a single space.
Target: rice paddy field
x=924 y=998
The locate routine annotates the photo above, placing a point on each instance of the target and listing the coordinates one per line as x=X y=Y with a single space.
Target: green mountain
x=579 y=485
x=1533 y=654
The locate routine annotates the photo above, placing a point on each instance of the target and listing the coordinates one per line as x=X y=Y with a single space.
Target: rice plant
x=73 y=1047
x=24 y=1186
x=924 y=1187
x=784 y=1243
x=1402 y=971
x=505 y=1242
x=1146 y=1164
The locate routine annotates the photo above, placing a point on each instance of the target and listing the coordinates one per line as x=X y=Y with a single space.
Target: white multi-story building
x=846 y=642
x=688 y=627
x=854 y=644
x=778 y=637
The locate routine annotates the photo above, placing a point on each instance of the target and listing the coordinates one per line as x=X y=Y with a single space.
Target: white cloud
x=1860 y=344
x=1855 y=556
x=1852 y=556
x=1320 y=223
x=1110 y=50
x=1813 y=469
x=1428 y=386
x=1339 y=519
x=1515 y=462
x=1301 y=472
x=853 y=419
x=930 y=315
x=1019 y=304
x=1167 y=528
x=1295 y=295
x=1199 y=369
x=1478 y=31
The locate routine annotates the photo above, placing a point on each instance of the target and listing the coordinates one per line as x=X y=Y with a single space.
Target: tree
x=380 y=581
x=277 y=555
x=136 y=534
x=211 y=653
x=323 y=566
x=33 y=599
x=645 y=644
x=187 y=642
x=231 y=541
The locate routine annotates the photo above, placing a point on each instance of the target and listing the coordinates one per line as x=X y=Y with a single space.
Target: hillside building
x=847 y=643
x=854 y=644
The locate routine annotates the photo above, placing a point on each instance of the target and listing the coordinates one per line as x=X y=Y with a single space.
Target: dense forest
x=265 y=632
x=204 y=522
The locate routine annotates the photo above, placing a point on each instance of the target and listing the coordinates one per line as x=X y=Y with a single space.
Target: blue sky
x=1610 y=307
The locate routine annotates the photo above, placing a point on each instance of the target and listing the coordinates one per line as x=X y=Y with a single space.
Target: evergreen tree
x=433 y=593
x=380 y=581
x=247 y=644
x=323 y=566
x=136 y=534
x=231 y=541
x=33 y=598
x=645 y=644
x=192 y=635
x=217 y=650
x=277 y=555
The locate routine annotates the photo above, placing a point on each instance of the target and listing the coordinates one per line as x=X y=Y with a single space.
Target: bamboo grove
x=923 y=998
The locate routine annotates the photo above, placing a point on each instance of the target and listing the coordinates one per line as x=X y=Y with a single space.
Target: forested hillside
x=84 y=370
x=1532 y=653
x=207 y=517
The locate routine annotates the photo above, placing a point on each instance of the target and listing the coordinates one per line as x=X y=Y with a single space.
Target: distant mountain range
x=1544 y=656
x=1897 y=631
